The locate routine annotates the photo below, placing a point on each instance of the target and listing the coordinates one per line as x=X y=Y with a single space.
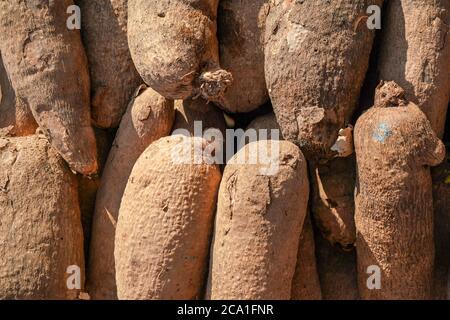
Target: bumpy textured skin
x=395 y=145
x=149 y=117
x=267 y=122
x=337 y=271
x=47 y=66
x=113 y=75
x=188 y=111
x=16 y=118
x=240 y=33
x=415 y=53
x=315 y=65
x=332 y=201
x=40 y=228
x=165 y=224
x=174 y=46
x=306 y=284
x=441 y=201
x=258 y=225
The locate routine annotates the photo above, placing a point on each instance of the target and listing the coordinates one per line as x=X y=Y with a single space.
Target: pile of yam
x=224 y=150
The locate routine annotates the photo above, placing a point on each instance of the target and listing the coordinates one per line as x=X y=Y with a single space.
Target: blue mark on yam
x=382 y=132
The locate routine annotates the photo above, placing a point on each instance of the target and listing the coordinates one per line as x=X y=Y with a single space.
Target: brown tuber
x=189 y=111
x=441 y=201
x=16 y=118
x=165 y=222
x=332 y=200
x=316 y=57
x=395 y=146
x=240 y=33
x=113 y=75
x=337 y=271
x=174 y=46
x=415 y=53
x=149 y=117
x=41 y=238
x=47 y=66
x=306 y=283
x=258 y=224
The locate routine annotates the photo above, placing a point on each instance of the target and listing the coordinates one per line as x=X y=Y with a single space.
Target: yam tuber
x=316 y=57
x=149 y=117
x=174 y=46
x=395 y=146
x=165 y=223
x=258 y=225
x=40 y=226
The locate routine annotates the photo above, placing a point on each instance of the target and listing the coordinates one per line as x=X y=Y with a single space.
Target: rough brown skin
x=113 y=75
x=313 y=99
x=40 y=228
x=47 y=66
x=257 y=229
x=441 y=201
x=240 y=34
x=306 y=284
x=174 y=47
x=338 y=279
x=415 y=53
x=337 y=271
x=188 y=111
x=149 y=117
x=332 y=201
x=395 y=145
x=267 y=122
x=165 y=224
x=16 y=118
